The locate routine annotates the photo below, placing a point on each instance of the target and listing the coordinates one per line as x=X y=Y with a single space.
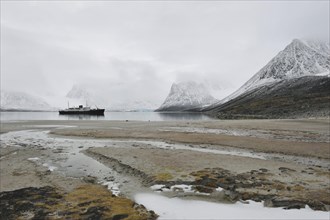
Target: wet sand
x=296 y=137
x=291 y=167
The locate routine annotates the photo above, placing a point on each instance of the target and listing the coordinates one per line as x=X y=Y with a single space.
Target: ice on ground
x=157 y=187
x=112 y=186
x=175 y=208
x=219 y=189
x=180 y=188
x=34 y=158
x=183 y=187
x=50 y=168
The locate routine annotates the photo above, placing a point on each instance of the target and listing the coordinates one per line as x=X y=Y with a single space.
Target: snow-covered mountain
x=22 y=101
x=299 y=58
x=295 y=83
x=186 y=95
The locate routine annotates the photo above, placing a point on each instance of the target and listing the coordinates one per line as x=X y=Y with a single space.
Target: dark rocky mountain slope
x=303 y=97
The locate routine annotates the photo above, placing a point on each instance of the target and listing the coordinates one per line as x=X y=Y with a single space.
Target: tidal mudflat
x=259 y=166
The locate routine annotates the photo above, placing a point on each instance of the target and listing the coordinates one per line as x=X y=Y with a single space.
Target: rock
x=327 y=208
x=232 y=195
x=177 y=189
x=153 y=215
x=90 y=179
x=285 y=169
x=84 y=203
x=203 y=189
x=119 y=216
x=205 y=180
x=287 y=203
x=244 y=201
x=94 y=212
x=110 y=178
x=295 y=206
x=243 y=176
x=316 y=205
x=249 y=182
x=24 y=203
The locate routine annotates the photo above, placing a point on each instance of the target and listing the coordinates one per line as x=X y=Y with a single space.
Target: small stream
x=67 y=158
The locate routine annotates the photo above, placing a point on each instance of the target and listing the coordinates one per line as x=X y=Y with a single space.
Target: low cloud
x=136 y=50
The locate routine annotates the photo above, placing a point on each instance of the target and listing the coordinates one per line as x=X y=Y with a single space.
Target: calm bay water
x=136 y=116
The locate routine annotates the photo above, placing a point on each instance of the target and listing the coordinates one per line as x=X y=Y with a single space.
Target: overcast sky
x=137 y=49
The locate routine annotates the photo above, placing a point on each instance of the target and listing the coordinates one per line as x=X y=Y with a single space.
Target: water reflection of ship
x=82 y=117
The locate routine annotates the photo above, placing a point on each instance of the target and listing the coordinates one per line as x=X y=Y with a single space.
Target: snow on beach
x=176 y=208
